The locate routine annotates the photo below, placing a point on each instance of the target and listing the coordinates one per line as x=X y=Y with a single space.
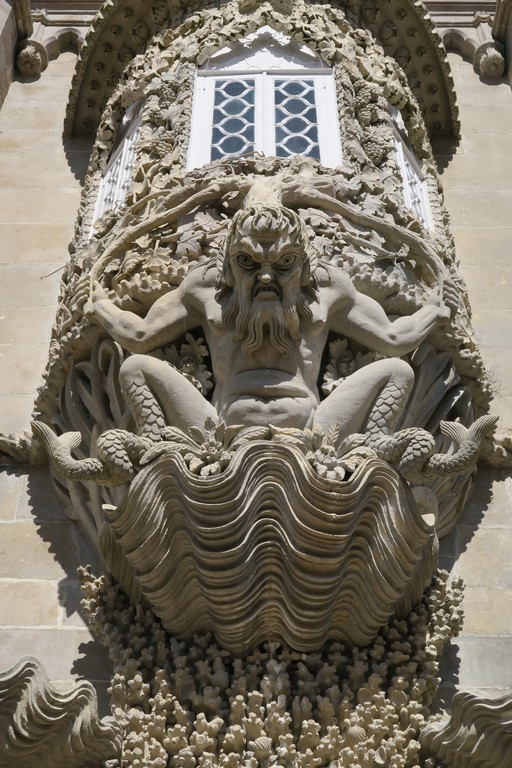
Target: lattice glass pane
x=296 y=118
x=233 y=118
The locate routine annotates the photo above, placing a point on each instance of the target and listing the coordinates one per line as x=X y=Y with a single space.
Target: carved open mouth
x=268 y=292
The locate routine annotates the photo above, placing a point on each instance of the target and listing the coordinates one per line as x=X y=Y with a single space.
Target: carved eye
x=245 y=261
x=287 y=261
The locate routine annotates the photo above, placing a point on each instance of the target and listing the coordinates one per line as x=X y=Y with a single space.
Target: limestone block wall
x=478 y=190
x=8 y=37
x=39 y=196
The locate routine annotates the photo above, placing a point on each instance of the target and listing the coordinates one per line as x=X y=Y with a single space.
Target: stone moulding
x=38 y=721
x=478 y=733
x=122 y=30
x=227 y=553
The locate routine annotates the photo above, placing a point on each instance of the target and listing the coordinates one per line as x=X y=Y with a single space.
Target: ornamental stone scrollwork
x=263 y=406
x=478 y=732
x=37 y=720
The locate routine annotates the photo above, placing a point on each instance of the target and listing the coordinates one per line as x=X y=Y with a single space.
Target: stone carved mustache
x=280 y=320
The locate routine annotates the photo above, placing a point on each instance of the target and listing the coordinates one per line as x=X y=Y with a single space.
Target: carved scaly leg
x=409 y=448
x=145 y=409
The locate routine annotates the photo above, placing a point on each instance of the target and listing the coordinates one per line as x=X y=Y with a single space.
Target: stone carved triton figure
x=266 y=313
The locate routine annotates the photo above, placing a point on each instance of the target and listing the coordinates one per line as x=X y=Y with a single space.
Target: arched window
x=413 y=179
x=268 y=94
x=116 y=179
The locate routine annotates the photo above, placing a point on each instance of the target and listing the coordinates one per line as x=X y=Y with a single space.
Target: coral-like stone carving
x=478 y=733
x=38 y=721
x=194 y=704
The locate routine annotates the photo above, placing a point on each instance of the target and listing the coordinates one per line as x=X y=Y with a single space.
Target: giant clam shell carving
x=270 y=550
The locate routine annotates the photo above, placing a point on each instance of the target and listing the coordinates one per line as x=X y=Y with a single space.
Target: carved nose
x=265 y=277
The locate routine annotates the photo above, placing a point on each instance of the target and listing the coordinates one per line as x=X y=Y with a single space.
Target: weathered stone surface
x=37 y=720
x=65 y=653
x=477 y=566
x=11 y=483
x=45 y=552
x=28 y=603
x=479 y=732
x=487 y=610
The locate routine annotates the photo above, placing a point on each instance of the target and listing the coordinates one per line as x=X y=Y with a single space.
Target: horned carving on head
x=263 y=217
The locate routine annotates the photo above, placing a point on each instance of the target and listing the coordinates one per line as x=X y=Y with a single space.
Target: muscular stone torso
x=266 y=386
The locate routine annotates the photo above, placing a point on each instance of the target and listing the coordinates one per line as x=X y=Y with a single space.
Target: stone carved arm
x=169 y=317
x=362 y=319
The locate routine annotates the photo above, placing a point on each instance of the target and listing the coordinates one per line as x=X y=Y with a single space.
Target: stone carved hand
x=446 y=297
x=97 y=296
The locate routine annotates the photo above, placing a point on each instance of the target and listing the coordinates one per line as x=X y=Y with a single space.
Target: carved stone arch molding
x=122 y=30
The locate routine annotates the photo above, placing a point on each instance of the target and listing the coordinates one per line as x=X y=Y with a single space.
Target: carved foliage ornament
x=407 y=33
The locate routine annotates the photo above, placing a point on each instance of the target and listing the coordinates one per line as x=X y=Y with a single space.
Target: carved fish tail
x=407 y=450
x=470 y=441
x=146 y=411
x=119 y=449
x=59 y=450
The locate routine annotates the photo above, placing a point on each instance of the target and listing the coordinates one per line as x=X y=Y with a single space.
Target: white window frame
x=116 y=178
x=284 y=60
x=413 y=179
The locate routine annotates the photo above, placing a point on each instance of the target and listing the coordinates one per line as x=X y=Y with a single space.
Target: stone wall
x=478 y=191
x=8 y=36
x=39 y=196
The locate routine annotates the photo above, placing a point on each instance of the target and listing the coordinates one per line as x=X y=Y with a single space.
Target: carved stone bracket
x=479 y=732
x=37 y=720
x=471 y=33
x=48 y=30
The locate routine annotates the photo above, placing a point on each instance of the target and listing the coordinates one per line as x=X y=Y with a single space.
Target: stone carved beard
x=281 y=321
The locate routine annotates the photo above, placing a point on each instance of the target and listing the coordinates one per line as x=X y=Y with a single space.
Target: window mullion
x=327 y=117
x=202 y=118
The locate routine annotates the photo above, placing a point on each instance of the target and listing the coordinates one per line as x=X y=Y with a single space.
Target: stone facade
x=41 y=188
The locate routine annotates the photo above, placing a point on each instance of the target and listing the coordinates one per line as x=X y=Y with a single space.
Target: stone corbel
x=478 y=732
x=474 y=41
x=489 y=55
x=31 y=57
x=45 y=34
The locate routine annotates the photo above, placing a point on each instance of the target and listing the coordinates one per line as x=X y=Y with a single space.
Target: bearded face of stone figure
x=267 y=264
